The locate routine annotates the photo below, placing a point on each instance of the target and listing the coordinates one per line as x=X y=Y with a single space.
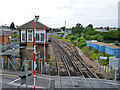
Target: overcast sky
x=53 y=13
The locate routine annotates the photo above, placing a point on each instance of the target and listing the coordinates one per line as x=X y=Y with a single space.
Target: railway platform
x=11 y=80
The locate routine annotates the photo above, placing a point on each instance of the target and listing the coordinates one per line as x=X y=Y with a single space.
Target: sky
x=54 y=13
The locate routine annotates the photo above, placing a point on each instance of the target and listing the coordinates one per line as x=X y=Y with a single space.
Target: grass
x=60 y=38
x=95 y=54
x=2 y=48
x=65 y=40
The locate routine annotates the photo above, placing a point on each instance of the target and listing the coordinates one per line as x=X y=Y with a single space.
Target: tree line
x=80 y=34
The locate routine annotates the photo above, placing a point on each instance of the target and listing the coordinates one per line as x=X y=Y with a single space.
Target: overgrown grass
x=61 y=38
x=50 y=62
x=95 y=54
x=2 y=48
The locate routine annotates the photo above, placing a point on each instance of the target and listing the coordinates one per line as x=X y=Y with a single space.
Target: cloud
x=54 y=12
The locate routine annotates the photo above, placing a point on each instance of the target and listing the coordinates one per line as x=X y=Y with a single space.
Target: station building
x=26 y=32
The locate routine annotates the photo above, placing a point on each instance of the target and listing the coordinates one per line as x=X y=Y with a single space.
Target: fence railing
x=8 y=64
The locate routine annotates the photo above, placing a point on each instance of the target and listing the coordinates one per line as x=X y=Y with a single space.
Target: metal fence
x=8 y=64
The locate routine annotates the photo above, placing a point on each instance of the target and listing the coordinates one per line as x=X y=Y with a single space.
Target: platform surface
x=10 y=79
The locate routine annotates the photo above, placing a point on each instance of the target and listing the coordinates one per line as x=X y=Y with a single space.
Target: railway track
x=67 y=55
x=73 y=58
x=61 y=71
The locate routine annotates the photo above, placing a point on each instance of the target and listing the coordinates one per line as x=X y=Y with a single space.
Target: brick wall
x=28 y=53
x=1 y=41
x=30 y=44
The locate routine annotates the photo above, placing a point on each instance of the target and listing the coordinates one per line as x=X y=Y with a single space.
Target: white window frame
x=28 y=35
x=23 y=31
x=40 y=31
x=43 y=36
x=39 y=37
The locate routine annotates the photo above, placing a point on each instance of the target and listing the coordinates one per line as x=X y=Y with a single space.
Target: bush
x=90 y=48
x=73 y=42
x=116 y=43
x=50 y=62
x=62 y=34
x=66 y=37
x=83 y=44
x=95 y=50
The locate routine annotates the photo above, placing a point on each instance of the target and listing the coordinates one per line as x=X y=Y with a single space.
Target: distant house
x=101 y=30
x=5 y=33
x=26 y=32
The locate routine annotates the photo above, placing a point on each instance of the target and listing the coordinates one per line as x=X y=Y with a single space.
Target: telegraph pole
x=35 y=20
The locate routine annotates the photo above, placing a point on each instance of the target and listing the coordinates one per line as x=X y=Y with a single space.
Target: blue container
x=113 y=51
x=102 y=48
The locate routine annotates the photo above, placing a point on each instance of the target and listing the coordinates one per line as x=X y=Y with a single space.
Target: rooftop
x=115 y=47
x=100 y=43
x=30 y=25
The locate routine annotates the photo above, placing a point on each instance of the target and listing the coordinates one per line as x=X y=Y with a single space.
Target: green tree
x=78 y=29
x=87 y=37
x=73 y=38
x=78 y=25
x=81 y=43
x=12 y=26
x=116 y=43
x=90 y=26
x=63 y=28
x=62 y=34
x=107 y=28
x=100 y=38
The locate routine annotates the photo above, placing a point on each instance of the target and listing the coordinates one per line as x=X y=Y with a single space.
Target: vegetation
x=80 y=34
x=62 y=34
x=50 y=62
x=95 y=55
x=89 y=33
x=2 y=48
x=15 y=36
x=62 y=39
x=81 y=42
x=116 y=43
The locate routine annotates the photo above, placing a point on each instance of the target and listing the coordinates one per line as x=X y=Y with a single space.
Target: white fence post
x=41 y=67
x=8 y=64
x=2 y=63
x=32 y=65
x=26 y=68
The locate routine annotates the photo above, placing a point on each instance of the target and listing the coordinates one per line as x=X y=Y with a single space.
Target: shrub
x=62 y=34
x=116 y=43
x=90 y=48
x=50 y=62
x=95 y=50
